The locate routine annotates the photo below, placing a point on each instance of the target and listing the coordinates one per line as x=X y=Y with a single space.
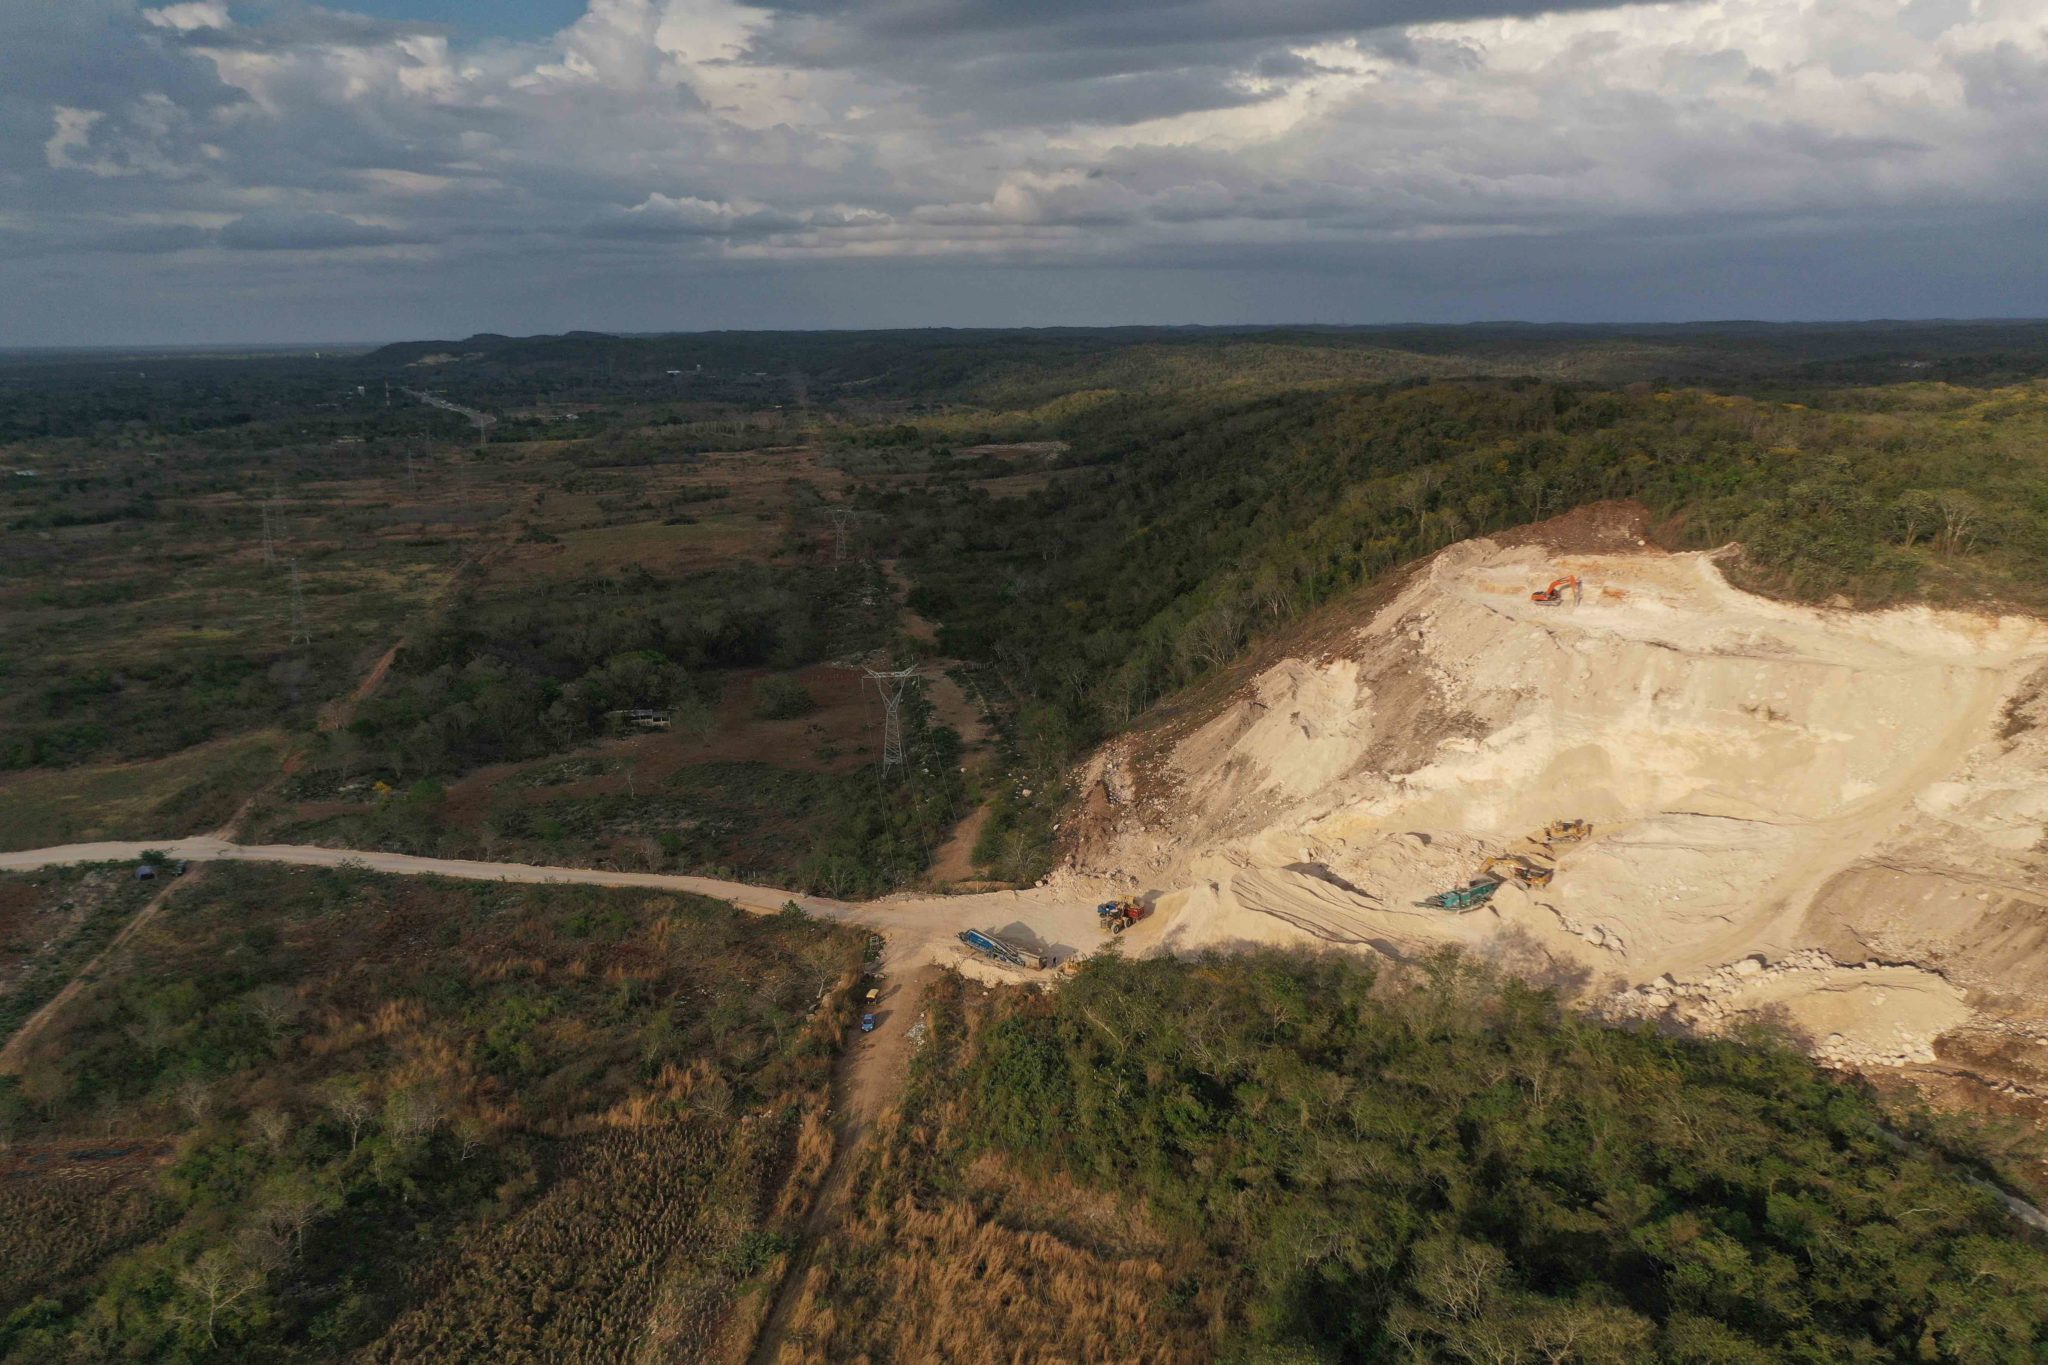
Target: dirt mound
x=1850 y=803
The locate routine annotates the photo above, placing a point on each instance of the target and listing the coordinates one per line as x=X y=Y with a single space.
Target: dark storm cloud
x=275 y=230
x=713 y=162
x=661 y=218
x=1173 y=28
x=1073 y=59
x=88 y=54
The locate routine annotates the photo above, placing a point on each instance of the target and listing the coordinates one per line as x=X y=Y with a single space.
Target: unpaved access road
x=919 y=929
x=871 y=1075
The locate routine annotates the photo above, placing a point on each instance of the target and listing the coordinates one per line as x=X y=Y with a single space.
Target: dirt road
x=871 y=1075
x=17 y=1046
x=919 y=929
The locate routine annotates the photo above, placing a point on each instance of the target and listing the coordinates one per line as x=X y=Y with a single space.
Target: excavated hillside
x=1831 y=818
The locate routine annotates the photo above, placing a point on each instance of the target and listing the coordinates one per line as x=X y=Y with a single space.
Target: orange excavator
x=1554 y=594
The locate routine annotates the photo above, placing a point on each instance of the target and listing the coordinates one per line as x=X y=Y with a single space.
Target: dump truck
x=1003 y=950
x=1119 y=915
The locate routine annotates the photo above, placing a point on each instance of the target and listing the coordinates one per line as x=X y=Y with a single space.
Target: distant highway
x=482 y=420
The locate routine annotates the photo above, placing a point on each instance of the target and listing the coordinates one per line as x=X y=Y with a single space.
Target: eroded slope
x=1831 y=816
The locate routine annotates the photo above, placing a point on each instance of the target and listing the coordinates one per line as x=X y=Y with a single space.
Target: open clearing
x=195 y=790
x=1826 y=818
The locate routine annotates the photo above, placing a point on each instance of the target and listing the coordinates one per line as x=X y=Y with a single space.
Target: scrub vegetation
x=317 y=1113
x=1274 y=1157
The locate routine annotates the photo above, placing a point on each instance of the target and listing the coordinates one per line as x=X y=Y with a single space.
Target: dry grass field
x=949 y=1257
x=189 y=792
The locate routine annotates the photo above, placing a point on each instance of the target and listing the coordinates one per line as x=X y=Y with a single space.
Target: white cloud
x=151 y=135
x=917 y=129
x=186 y=18
x=71 y=135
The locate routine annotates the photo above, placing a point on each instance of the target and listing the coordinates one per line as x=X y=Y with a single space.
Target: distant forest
x=1202 y=488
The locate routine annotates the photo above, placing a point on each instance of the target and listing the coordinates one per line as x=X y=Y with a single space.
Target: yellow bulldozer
x=1518 y=867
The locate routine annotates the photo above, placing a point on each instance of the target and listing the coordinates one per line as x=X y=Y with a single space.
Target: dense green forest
x=1177 y=530
x=1437 y=1164
x=235 y=401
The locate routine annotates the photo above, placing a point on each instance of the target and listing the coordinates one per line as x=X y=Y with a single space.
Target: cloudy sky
x=274 y=170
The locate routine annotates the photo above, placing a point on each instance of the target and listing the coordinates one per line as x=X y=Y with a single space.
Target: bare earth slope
x=1830 y=816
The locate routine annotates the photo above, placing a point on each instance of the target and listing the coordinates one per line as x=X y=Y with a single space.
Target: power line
x=893 y=686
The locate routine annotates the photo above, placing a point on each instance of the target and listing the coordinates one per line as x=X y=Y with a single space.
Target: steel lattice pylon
x=842 y=527
x=892 y=686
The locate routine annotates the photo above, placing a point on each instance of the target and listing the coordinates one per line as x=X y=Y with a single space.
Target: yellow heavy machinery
x=1119 y=915
x=1520 y=867
x=1496 y=872
x=1531 y=867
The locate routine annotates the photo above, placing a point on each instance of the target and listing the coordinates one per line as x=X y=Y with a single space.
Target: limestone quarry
x=1826 y=818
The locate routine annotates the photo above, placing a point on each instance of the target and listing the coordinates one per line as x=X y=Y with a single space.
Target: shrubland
x=320 y=1113
x=52 y=922
x=522 y=673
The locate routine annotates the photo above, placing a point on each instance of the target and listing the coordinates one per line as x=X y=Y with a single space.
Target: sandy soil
x=1827 y=818
x=954 y=861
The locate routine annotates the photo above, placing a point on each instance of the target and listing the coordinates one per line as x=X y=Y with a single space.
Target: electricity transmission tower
x=302 y=634
x=843 y=519
x=893 y=686
x=269 y=546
